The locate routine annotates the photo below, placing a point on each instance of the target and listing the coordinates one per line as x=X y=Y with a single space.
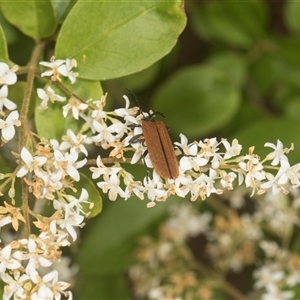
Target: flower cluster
x=49 y=173
x=7 y=119
x=166 y=268
x=28 y=264
x=205 y=167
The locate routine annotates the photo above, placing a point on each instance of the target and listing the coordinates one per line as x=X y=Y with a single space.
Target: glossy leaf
x=34 y=18
x=49 y=122
x=3 y=47
x=117 y=38
x=62 y=8
x=197 y=100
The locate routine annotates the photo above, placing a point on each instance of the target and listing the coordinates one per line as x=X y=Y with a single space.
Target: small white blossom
x=127 y=113
x=7 y=261
x=277 y=156
x=15 y=285
x=50 y=288
x=7 y=75
x=231 y=150
x=75 y=142
x=60 y=67
x=112 y=186
x=71 y=218
x=4 y=101
x=35 y=258
x=7 y=126
x=31 y=163
x=152 y=187
x=77 y=203
x=47 y=95
x=105 y=135
x=75 y=106
x=268 y=276
x=68 y=163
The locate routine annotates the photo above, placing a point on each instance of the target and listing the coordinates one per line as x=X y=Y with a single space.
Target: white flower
x=77 y=203
x=6 y=260
x=7 y=126
x=254 y=171
x=15 y=285
x=47 y=95
x=36 y=259
x=71 y=218
x=50 y=288
x=66 y=69
x=227 y=179
x=103 y=170
x=268 y=276
x=75 y=142
x=153 y=188
x=67 y=163
x=105 y=135
x=31 y=163
x=231 y=150
x=7 y=75
x=75 y=106
x=203 y=186
x=60 y=67
x=4 y=101
x=278 y=154
x=277 y=182
x=112 y=186
x=190 y=160
x=275 y=293
x=127 y=113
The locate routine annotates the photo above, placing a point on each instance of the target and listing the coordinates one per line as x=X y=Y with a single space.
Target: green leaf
x=231 y=22
x=49 y=122
x=266 y=71
x=119 y=222
x=234 y=64
x=140 y=80
x=94 y=195
x=3 y=47
x=285 y=50
x=110 y=286
x=292 y=108
x=197 y=100
x=34 y=18
x=117 y=38
x=291 y=15
x=105 y=251
x=258 y=133
x=62 y=8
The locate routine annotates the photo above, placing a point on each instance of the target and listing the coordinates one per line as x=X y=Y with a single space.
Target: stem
x=23 y=129
x=225 y=285
x=28 y=91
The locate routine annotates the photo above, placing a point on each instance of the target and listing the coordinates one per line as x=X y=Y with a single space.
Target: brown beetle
x=159 y=145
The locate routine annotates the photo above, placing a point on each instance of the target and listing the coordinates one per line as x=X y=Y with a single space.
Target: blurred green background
x=234 y=73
